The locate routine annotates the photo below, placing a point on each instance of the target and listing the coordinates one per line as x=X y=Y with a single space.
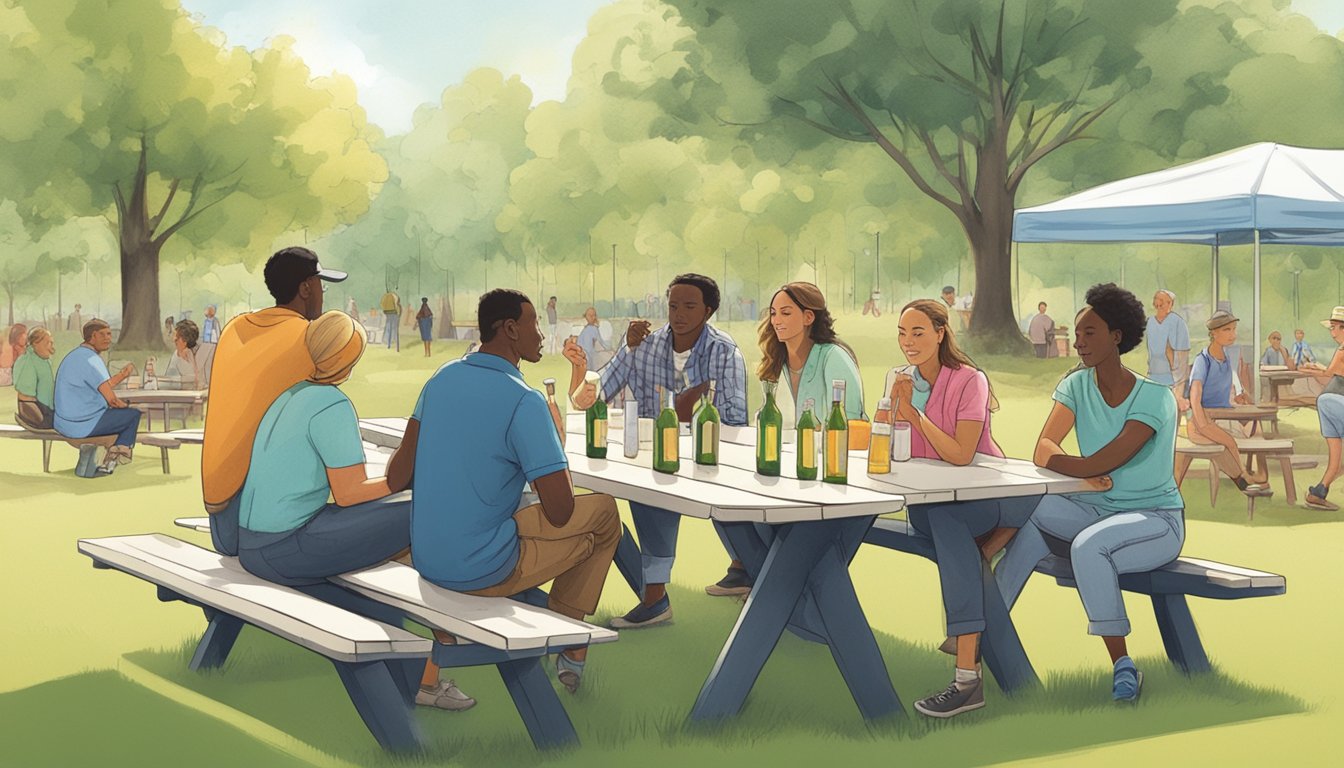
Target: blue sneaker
x=1127 y=680
x=645 y=615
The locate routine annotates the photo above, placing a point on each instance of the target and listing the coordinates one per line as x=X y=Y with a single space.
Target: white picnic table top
x=160 y=396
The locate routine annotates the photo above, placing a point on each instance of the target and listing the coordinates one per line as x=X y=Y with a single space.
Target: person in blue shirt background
x=85 y=402
x=1168 y=341
x=1213 y=380
x=477 y=435
x=590 y=338
x=686 y=349
x=1135 y=520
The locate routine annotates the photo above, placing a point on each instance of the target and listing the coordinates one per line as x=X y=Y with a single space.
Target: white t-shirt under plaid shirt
x=650 y=366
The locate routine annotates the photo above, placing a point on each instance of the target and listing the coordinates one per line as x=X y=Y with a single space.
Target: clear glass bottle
x=879 y=442
x=666 y=456
x=837 y=437
x=808 y=427
x=707 y=430
x=769 y=433
x=630 y=435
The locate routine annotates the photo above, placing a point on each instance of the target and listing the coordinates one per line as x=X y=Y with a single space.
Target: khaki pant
x=576 y=557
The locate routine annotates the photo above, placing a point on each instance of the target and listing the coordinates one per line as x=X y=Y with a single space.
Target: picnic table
x=1263 y=418
x=150 y=400
x=1278 y=376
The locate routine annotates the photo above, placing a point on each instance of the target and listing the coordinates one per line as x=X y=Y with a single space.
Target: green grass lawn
x=70 y=627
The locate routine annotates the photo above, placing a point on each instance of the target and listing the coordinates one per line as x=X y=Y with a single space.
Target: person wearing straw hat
x=1330 y=410
x=1212 y=381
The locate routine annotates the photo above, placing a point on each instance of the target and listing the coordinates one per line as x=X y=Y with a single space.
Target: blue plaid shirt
x=649 y=367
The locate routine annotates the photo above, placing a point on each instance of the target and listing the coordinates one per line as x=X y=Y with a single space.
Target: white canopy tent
x=1262 y=193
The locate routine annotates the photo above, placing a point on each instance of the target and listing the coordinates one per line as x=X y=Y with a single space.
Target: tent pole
x=1214 y=307
x=1255 y=362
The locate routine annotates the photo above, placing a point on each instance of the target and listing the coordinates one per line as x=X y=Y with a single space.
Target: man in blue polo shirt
x=86 y=405
x=478 y=434
x=1213 y=379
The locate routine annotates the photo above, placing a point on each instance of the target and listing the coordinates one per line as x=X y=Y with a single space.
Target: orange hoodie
x=260 y=355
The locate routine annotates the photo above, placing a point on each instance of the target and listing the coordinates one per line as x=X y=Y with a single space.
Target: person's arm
x=958 y=448
x=1197 y=415
x=351 y=485
x=333 y=431
x=1336 y=366
x=105 y=389
x=541 y=456
x=555 y=491
x=401 y=467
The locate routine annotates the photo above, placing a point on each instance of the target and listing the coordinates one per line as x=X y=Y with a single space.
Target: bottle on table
x=554 y=407
x=630 y=434
x=596 y=419
x=900 y=441
x=879 y=442
x=665 y=439
x=807 y=441
x=707 y=430
x=837 y=437
x=769 y=433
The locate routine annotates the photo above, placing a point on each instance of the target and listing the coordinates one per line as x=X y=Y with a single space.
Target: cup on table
x=859 y=430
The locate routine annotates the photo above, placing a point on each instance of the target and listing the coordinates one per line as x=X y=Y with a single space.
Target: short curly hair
x=189 y=332
x=1121 y=311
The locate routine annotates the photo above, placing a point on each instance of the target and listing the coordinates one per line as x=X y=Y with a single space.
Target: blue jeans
x=1103 y=545
x=224 y=527
x=657 y=530
x=954 y=527
x=390 y=331
x=336 y=540
x=122 y=422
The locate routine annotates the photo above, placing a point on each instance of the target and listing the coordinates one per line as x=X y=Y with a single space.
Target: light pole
x=877 y=260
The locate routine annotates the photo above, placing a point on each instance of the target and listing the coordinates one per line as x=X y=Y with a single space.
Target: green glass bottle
x=665 y=440
x=807 y=442
x=837 y=437
x=596 y=420
x=707 y=430
x=769 y=433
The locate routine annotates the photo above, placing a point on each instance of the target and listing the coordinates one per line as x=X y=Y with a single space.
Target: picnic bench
x=354 y=622
x=163 y=442
x=1168 y=587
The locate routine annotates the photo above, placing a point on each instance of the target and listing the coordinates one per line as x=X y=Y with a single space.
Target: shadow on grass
x=143 y=472
x=637 y=692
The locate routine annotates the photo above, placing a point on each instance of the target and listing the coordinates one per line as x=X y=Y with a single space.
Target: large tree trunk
x=993 y=322
x=139 y=267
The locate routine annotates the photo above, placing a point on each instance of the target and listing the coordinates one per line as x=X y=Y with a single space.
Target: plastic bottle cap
x=884 y=404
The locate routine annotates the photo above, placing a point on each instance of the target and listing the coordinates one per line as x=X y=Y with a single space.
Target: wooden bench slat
x=495 y=622
x=220 y=582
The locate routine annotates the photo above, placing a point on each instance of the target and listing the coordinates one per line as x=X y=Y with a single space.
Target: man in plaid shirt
x=687 y=347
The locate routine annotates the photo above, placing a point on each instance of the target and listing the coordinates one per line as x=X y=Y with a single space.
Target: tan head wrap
x=335 y=343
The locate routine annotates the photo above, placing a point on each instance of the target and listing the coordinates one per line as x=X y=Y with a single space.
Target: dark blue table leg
x=629 y=562
x=382 y=704
x=1179 y=635
x=1000 y=644
x=850 y=637
x=215 y=644
x=546 y=720
x=752 y=545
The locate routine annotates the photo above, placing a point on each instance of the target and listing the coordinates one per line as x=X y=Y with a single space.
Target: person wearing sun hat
x=1330 y=411
x=1212 y=381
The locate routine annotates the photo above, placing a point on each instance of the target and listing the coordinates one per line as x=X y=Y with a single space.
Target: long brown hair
x=950 y=354
x=822 y=331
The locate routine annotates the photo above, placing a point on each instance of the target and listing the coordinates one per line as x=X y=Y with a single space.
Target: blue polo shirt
x=483 y=434
x=79 y=404
x=1159 y=335
x=1217 y=378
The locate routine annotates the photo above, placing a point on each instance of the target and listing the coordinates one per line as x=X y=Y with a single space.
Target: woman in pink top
x=948 y=401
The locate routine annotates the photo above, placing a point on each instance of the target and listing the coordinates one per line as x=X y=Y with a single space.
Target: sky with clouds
x=403 y=53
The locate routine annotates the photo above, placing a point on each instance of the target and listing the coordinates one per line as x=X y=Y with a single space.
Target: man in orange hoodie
x=260 y=355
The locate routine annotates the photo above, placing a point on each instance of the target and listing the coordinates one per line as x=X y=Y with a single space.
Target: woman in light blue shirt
x=1126 y=431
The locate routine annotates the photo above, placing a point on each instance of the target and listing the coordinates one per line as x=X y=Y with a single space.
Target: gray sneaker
x=957 y=698
x=445 y=695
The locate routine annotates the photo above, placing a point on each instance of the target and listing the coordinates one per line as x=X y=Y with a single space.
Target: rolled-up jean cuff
x=965 y=628
x=657 y=570
x=1109 y=628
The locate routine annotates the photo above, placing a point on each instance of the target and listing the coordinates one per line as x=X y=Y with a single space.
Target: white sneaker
x=445 y=695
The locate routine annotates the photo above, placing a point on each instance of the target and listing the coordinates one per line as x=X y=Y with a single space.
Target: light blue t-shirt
x=1217 y=378
x=483 y=434
x=308 y=428
x=1147 y=480
x=1273 y=356
x=79 y=404
x=825 y=364
x=590 y=338
x=1171 y=332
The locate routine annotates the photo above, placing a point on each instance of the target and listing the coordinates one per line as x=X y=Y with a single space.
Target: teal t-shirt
x=308 y=428
x=827 y=363
x=1147 y=480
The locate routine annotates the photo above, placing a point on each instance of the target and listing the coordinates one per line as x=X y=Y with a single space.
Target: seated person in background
x=11 y=349
x=84 y=401
x=1212 y=380
x=1275 y=354
x=307 y=448
x=34 y=381
x=478 y=433
x=681 y=357
x=182 y=371
x=1301 y=351
x=949 y=417
x=1126 y=430
x=1330 y=411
